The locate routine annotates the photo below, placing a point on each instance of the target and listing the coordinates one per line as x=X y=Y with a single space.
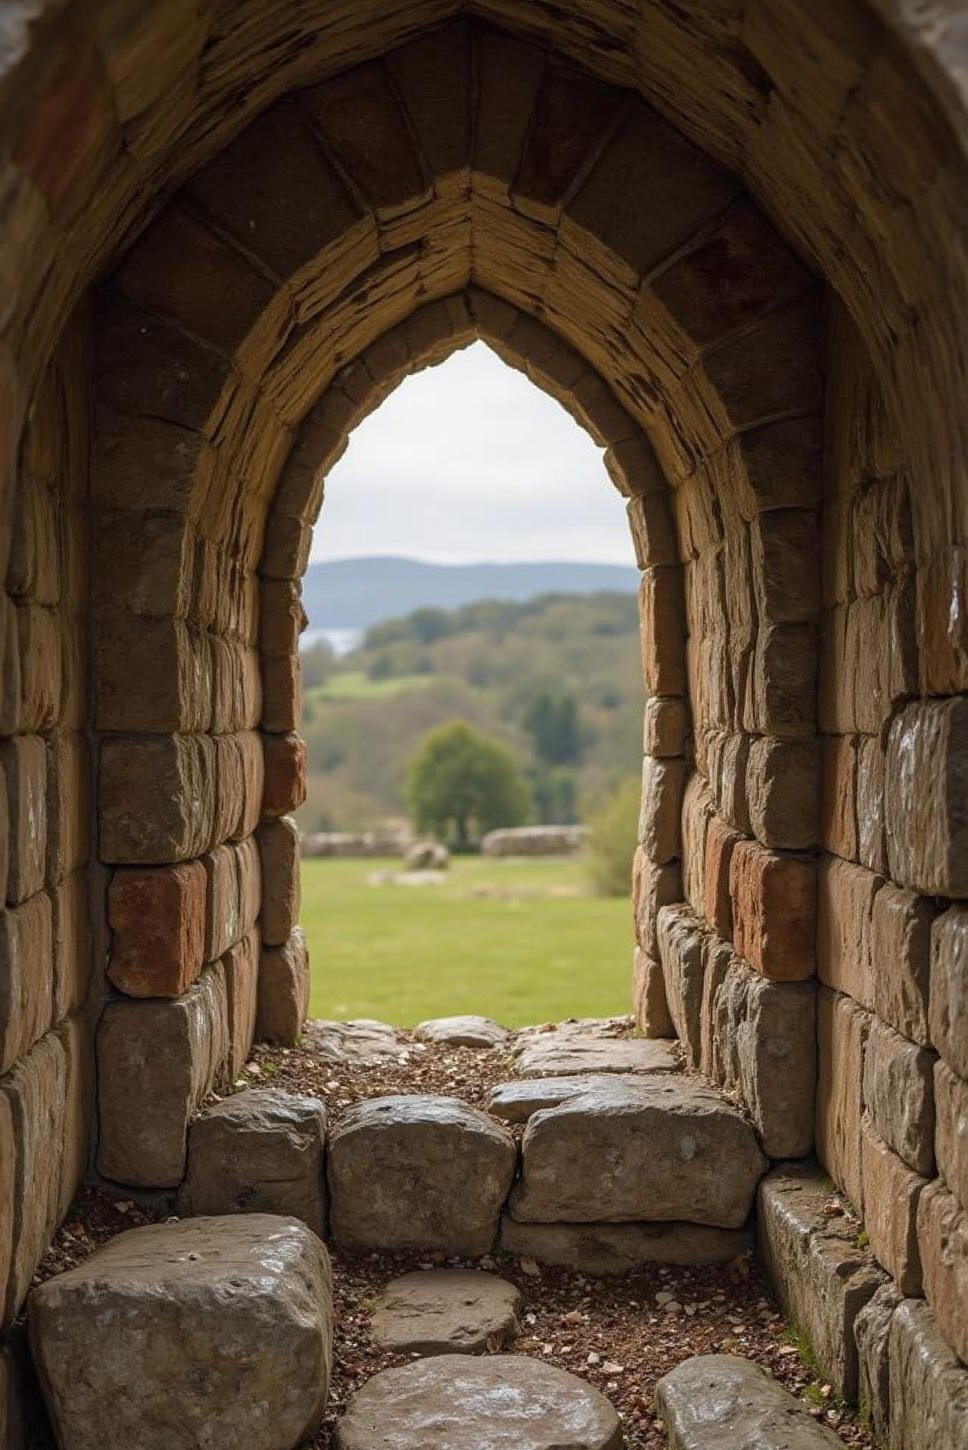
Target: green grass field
x=520 y=941
x=355 y=685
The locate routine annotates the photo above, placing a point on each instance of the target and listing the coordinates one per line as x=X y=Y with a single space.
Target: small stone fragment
x=468 y=1031
x=446 y=1311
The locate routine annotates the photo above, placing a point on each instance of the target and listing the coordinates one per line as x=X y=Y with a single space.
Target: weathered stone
x=455 y=1402
x=26 y=977
x=467 y=1031
x=838 y=796
x=666 y=726
x=900 y=957
x=283 y=992
x=240 y=966
x=720 y=1401
x=223 y=916
x=951 y=1129
x=663 y=782
x=871 y=837
x=781 y=788
x=891 y=1194
x=948 y=1013
x=942 y=1234
x=156 y=798
x=24 y=763
x=446 y=1311
x=929 y=1388
x=682 y=947
x=718 y=906
x=76 y=1038
x=284 y=784
x=157 y=917
x=774 y=910
x=419 y=1172
x=362 y=1043
x=842 y=1029
x=872 y=1335
x=766 y=1052
x=653 y=887
x=580 y=1049
x=515 y=1102
x=673 y=1149
x=899 y=1095
x=248 y=1297
x=157 y=1060
x=926 y=789
x=845 y=903
x=259 y=1151
x=719 y=958
x=649 y=1001
x=279 y=855
x=617 y=1248
x=821 y=1274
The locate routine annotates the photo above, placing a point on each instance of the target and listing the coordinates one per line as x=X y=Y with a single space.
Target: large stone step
x=458 y=1403
x=723 y=1402
x=659 y=1150
x=594 y=1046
x=446 y=1311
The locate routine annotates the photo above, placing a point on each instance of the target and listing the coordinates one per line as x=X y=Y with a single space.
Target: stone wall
x=225 y=248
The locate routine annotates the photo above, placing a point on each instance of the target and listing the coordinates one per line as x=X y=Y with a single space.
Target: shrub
x=612 y=836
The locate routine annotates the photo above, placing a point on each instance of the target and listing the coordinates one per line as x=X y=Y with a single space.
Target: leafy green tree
x=462 y=784
x=612 y=835
x=552 y=723
x=555 y=791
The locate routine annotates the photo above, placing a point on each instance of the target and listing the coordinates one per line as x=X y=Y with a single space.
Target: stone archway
x=579 y=189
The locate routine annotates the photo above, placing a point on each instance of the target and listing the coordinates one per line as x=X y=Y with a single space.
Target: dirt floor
x=620 y=1334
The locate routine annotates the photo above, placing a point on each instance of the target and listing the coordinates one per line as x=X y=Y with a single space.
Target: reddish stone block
x=718 y=907
x=284 y=787
x=773 y=901
x=157 y=917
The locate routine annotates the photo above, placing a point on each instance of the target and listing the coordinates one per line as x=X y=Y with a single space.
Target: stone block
x=158 y=924
x=942 y=1233
x=842 y=1030
x=729 y=783
x=157 y=1060
x=682 y=942
x=24 y=762
x=241 y=967
x=663 y=782
x=653 y=886
x=281 y=617
x=838 y=796
x=284 y=785
x=278 y=842
x=899 y=1095
x=281 y=694
x=41 y=640
x=764 y=1036
x=653 y=530
x=156 y=798
x=151 y=675
x=378 y=156
x=926 y=790
x=845 y=906
x=720 y=1401
x=8 y=1184
x=781 y=791
x=650 y=1005
x=223 y=911
x=663 y=627
x=871 y=838
x=283 y=992
x=68 y=805
x=774 y=909
x=718 y=906
x=900 y=955
x=36 y=1096
x=783 y=682
x=948 y=1010
x=241 y=775
x=259 y=1151
x=951 y=1129
x=821 y=1274
x=872 y=1335
x=891 y=1194
x=665 y=730
x=929 y=1388
x=26 y=976
x=615 y=1155
x=77 y=1040
x=600 y=1249
x=697 y=812
x=419 y=1172
x=719 y=958
x=247 y=1296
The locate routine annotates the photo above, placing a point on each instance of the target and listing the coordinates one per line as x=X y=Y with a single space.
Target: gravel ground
x=619 y=1334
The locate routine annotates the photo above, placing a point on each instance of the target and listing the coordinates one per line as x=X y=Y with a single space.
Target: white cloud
x=469 y=462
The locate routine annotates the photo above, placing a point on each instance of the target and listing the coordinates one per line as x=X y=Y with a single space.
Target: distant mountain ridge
x=352 y=594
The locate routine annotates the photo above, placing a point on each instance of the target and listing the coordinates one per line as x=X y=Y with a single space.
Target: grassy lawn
x=517 y=940
x=355 y=685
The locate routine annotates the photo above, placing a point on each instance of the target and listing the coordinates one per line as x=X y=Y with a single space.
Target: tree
x=462 y=784
x=552 y=723
x=612 y=836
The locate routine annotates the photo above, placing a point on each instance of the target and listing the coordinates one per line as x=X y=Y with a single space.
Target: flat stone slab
x=446 y=1311
x=501 y=1402
x=575 y=1048
x=721 y=1402
x=664 y=1149
x=419 y=1172
x=469 y=1031
x=210 y=1331
x=361 y=1043
x=616 y=1248
x=517 y=1101
x=259 y=1151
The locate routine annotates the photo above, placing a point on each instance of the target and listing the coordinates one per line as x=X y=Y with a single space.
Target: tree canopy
x=462 y=784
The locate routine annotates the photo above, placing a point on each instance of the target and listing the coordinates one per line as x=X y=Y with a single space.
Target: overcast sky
x=470 y=462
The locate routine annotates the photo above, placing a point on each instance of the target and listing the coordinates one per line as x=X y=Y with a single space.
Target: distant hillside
x=353 y=594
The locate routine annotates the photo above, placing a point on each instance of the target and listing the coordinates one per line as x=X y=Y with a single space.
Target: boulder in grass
x=211 y=1331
